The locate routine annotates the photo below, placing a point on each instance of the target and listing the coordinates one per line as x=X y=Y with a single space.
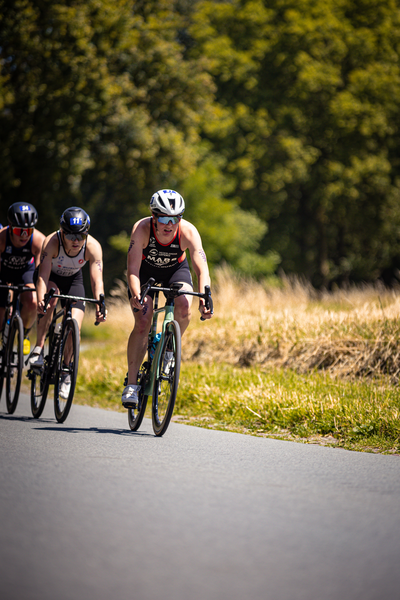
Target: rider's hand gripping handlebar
x=207 y=301
x=102 y=306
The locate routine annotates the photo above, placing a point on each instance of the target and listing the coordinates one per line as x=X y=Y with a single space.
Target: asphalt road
x=89 y=510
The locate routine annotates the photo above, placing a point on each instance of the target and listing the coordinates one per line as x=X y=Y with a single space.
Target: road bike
x=158 y=376
x=11 y=353
x=61 y=357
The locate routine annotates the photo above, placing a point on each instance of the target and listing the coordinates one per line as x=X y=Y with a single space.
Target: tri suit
x=17 y=265
x=66 y=272
x=166 y=263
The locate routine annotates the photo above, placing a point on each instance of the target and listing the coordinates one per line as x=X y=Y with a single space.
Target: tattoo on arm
x=43 y=256
x=98 y=263
x=203 y=255
x=131 y=245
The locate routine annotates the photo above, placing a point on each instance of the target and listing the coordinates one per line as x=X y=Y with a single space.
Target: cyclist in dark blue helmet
x=20 y=247
x=64 y=254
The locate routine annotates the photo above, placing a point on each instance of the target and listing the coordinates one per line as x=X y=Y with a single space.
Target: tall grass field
x=281 y=361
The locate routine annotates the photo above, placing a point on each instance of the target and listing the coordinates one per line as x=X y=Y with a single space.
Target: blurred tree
x=309 y=102
x=99 y=108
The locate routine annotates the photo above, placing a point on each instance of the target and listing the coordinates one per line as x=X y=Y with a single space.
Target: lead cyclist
x=157 y=249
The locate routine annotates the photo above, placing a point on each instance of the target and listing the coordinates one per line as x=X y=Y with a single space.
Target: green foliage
x=310 y=99
x=228 y=233
x=289 y=108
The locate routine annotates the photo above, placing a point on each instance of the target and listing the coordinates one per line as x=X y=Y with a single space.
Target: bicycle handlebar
x=52 y=294
x=174 y=291
x=21 y=287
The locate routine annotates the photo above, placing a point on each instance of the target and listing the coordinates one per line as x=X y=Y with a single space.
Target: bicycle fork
x=156 y=363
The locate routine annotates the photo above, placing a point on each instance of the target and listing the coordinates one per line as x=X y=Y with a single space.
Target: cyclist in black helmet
x=20 y=246
x=158 y=249
x=64 y=254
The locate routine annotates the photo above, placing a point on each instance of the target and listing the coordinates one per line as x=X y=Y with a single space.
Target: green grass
x=281 y=403
x=297 y=365
x=311 y=408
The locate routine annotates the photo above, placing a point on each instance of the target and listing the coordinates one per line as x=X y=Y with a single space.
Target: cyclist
x=64 y=253
x=157 y=249
x=20 y=246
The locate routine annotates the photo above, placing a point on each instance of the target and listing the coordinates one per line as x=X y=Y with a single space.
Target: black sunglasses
x=75 y=236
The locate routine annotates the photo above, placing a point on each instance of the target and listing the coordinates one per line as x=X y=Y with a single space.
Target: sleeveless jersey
x=16 y=259
x=160 y=256
x=65 y=265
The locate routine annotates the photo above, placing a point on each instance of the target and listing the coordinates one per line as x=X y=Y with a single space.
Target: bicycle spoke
x=67 y=371
x=14 y=364
x=166 y=384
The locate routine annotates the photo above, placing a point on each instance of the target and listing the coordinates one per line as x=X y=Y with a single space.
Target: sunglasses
x=166 y=220
x=23 y=231
x=75 y=236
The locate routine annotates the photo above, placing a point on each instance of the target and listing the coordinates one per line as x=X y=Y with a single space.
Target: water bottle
x=156 y=339
x=6 y=329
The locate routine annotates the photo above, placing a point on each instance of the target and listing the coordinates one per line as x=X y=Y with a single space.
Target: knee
x=183 y=309
x=30 y=302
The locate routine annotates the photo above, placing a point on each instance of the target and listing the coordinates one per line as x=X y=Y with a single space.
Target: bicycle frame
x=168 y=310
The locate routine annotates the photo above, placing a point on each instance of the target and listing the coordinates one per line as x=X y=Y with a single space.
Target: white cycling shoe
x=130 y=396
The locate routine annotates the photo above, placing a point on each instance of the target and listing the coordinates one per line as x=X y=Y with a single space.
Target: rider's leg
x=77 y=314
x=182 y=312
x=28 y=307
x=137 y=343
x=44 y=323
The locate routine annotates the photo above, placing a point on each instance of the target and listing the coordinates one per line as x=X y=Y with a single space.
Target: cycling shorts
x=180 y=274
x=15 y=277
x=70 y=286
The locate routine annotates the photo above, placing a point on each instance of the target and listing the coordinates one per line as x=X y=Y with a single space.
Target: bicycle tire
x=14 y=363
x=69 y=350
x=2 y=359
x=167 y=381
x=135 y=415
x=40 y=381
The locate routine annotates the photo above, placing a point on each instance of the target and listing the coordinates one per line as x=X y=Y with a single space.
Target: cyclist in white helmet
x=158 y=249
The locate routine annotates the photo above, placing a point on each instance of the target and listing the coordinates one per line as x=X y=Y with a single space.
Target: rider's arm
x=139 y=240
x=94 y=255
x=37 y=243
x=2 y=241
x=49 y=250
x=192 y=241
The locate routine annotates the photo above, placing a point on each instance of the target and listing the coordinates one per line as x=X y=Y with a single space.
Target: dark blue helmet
x=74 y=220
x=22 y=215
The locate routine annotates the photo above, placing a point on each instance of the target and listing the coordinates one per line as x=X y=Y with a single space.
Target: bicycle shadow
x=64 y=429
x=8 y=417
x=123 y=432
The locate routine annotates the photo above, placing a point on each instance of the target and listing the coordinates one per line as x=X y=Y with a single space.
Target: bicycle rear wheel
x=167 y=380
x=14 y=364
x=67 y=370
x=135 y=415
x=40 y=381
x=2 y=372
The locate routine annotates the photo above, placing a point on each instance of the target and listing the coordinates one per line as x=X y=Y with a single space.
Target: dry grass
x=280 y=361
x=349 y=333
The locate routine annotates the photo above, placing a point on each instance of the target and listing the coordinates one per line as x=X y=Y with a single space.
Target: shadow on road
x=95 y=430
x=63 y=429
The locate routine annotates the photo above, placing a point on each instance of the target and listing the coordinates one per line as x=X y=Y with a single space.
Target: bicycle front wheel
x=67 y=370
x=135 y=415
x=167 y=379
x=2 y=371
x=14 y=364
x=40 y=381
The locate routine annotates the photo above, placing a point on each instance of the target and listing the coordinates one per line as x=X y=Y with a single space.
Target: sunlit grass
x=277 y=361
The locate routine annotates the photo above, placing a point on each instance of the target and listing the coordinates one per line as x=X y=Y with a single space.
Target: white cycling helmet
x=168 y=203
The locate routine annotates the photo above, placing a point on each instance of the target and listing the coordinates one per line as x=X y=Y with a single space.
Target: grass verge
x=286 y=363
